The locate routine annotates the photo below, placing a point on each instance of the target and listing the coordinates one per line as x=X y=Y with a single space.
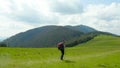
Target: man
x=61 y=47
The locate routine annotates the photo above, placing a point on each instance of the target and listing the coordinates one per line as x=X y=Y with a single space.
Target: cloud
x=29 y=13
x=66 y=6
x=104 y=12
x=9 y=27
x=96 y=2
x=103 y=17
x=75 y=6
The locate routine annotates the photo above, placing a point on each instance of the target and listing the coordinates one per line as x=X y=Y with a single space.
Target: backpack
x=60 y=45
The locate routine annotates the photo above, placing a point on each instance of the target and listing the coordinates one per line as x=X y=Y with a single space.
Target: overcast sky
x=21 y=15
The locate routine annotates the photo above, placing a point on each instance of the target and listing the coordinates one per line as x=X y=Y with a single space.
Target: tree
x=2 y=44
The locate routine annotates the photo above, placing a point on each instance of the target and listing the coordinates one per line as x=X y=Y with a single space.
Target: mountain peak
x=82 y=28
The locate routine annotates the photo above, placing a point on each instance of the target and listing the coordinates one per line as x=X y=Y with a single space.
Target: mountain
x=82 y=28
x=49 y=36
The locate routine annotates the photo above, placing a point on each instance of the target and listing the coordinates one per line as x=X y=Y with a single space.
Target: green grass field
x=101 y=52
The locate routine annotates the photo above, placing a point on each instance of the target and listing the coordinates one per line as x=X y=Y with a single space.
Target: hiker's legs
x=62 y=54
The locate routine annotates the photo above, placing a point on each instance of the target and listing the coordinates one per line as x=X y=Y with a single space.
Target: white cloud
x=9 y=27
x=4 y=6
x=101 y=17
x=104 y=17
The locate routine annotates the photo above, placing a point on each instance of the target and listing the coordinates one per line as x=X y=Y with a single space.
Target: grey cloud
x=75 y=6
x=107 y=2
x=67 y=7
x=109 y=17
x=30 y=15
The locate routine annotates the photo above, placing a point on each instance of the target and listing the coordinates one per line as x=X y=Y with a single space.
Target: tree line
x=82 y=39
x=2 y=44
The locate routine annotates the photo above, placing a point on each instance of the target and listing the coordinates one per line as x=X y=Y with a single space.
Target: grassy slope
x=101 y=52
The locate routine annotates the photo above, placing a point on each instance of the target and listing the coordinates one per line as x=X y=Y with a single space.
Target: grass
x=101 y=52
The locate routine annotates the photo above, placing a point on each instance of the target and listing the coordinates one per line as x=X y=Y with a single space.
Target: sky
x=20 y=15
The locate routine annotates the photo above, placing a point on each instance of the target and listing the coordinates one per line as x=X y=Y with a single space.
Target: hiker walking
x=61 y=47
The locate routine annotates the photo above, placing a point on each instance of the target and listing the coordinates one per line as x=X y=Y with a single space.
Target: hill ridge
x=49 y=36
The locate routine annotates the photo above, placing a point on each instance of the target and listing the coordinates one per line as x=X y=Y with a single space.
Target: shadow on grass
x=68 y=61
